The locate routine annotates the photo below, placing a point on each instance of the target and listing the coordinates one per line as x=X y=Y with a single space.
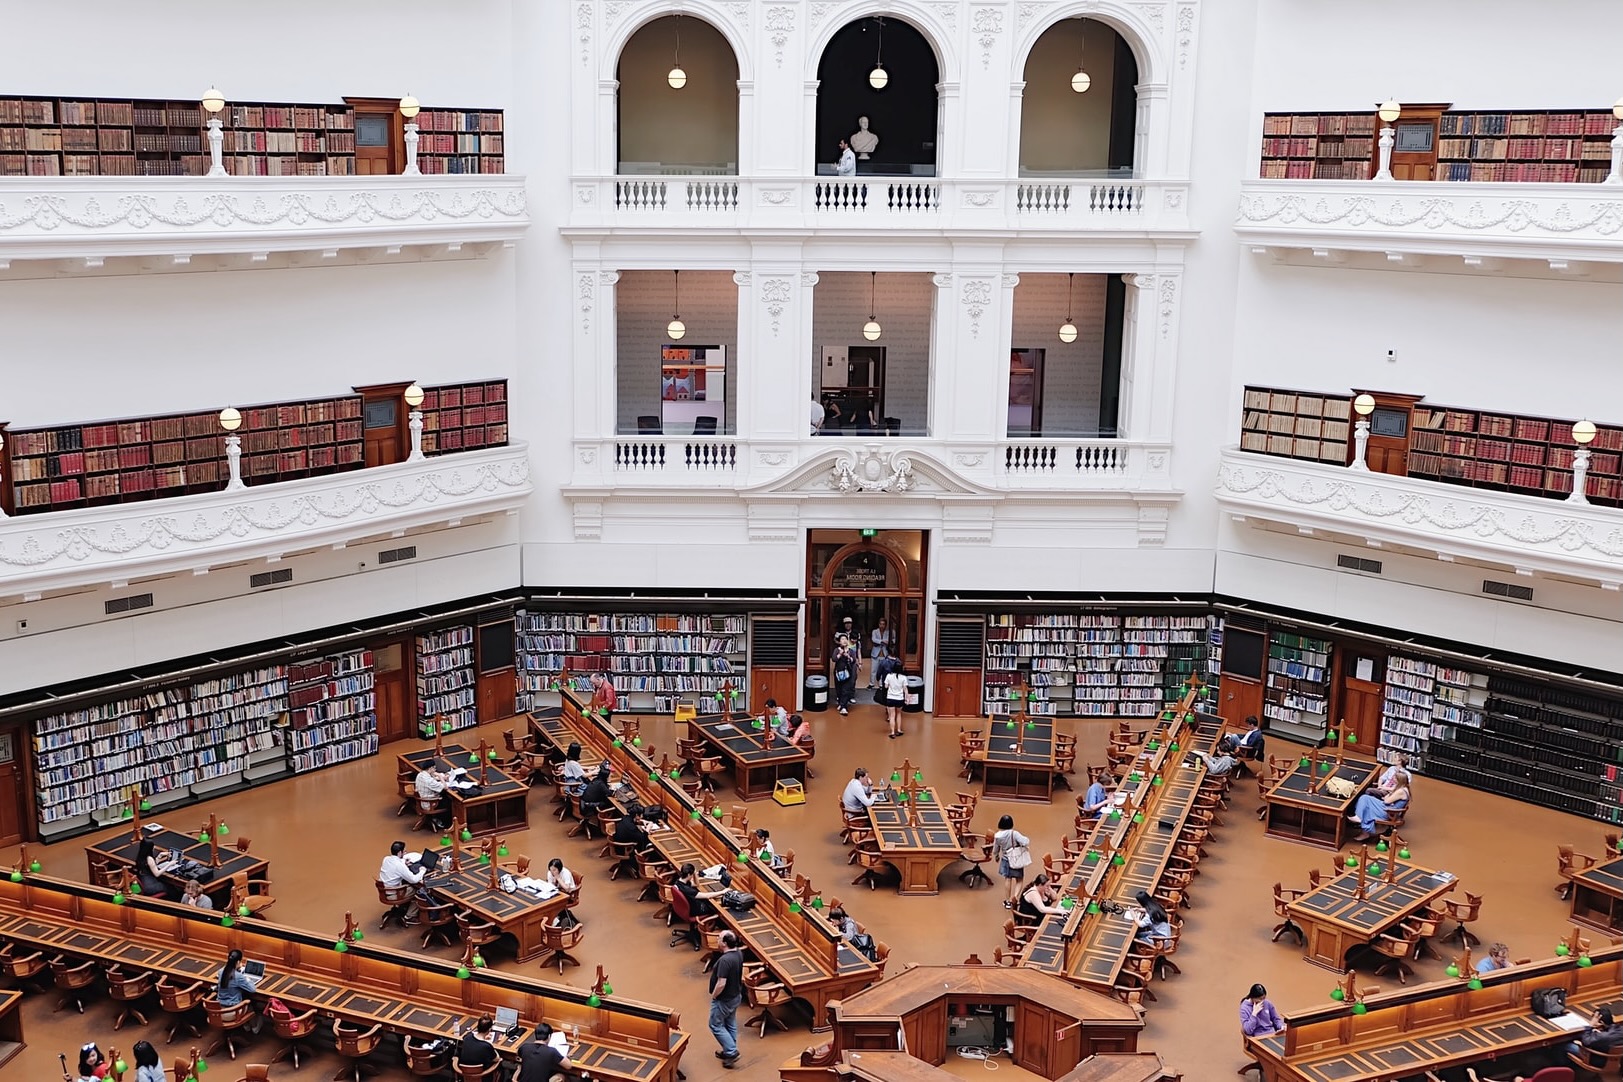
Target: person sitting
x=92 y=1064
x=1498 y=958
x=235 y=986
x=687 y=881
x=1389 y=777
x=1096 y=800
x=147 y=869
x=1153 y=922
x=397 y=871
x=777 y=718
x=193 y=896
x=431 y=785
x=539 y=1060
x=1248 y=746
x=1221 y=763
x=573 y=776
x=842 y=922
x=477 y=1048
x=1258 y=1016
x=595 y=797
x=1603 y=1035
x=148 y=1067
x=798 y=731
x=1039 y=898
x=631 y=829
x=1374 y=807
x=559 y=876
x=764 y=850
x=859 y=794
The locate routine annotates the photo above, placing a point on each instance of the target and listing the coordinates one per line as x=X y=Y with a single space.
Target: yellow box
x=789 y=792
x=686 y=711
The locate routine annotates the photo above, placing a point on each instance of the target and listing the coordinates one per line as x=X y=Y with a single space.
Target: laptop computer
x=430 y=860
x=507 y=1021
x=254 y=969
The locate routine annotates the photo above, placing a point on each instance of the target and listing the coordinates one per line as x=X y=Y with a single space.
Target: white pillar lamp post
x=213 y=102
x=231 y=420
x=1616 y=175
x=1363 y=405
x=414 y=399
x=1582 y=433
x=1389 y=111
x=409 y=108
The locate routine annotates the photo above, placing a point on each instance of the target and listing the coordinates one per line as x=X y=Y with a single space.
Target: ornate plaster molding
x=775 y=297
x=780 y=26
x=871 y=470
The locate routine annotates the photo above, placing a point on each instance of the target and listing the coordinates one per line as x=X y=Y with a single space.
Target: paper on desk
x=726 y=728
x=1570 y=1022
x=1119 y=799
x=457 y=771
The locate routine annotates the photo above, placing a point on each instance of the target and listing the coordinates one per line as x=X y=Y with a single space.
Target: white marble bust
x=864 y=142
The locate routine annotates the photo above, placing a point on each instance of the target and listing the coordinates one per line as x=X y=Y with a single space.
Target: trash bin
x=914 y=702
x=815 y=698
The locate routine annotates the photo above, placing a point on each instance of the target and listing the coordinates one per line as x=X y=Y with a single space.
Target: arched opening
x=669 y=129
x=866 y=577
x=1066 y=131
x=901 y=114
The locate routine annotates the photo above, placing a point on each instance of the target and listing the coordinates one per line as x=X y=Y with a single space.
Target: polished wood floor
x=325 y=835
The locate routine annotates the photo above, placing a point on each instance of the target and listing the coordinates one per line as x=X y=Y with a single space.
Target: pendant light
x=871 y=330
x=676 y=329
x=676 y=76
x=1081 y=80
x=878 y=78
x=1067 y=330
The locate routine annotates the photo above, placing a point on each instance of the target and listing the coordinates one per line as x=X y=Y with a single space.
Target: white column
x=1017 y=103
x=233 y=463
x=748 y=144
x=606 y=148
x=216 y=144
x=952 y=157
x=1135 y=410
x=971 y=353
x=1616 y=175
x=1152 y=134
x=411 y=169
x=1388 y=139
x=595 y=353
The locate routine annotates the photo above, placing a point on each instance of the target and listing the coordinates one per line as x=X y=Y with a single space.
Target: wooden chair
x=851 y=822
x=355 y=1044
x=253 y=893
x=882 y=949
x=1282 y=900
x=473 y=1072
x=425 y=1060
x=1057 y=868
x=439 y=922
x=1064 y=764
x=1016 y=937
x=873 y=864
x=810 y=744
x=295 y=1031
x=477 y=934
x=1397 y=950
x=785 y=867
x=625 y=858
x=1567 y=865
x=181 y=1002
x=228 y=1020
x=608 y=819
x=72 y=980
x=396 y=901
x=517 y=747
x=1424 y=924
x=1005 y=959
x=242 y=847
x=255 y=1072
x=970 y=800
x=406 y=786
x=763 y=994
x=559 y=941
x=102 y=871
x=1131 y=987
x=738 y=820
x=130 y=991
x=977 y=850
x=1587 y=1063
x=971 y=743
x=1464 y=912
x=1064 y=742
x=427 y=811
x=23 y=967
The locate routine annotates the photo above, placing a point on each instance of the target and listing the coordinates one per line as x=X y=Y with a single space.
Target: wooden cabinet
x=957 y=693
x=1414 y=154
x=1388 y=446
x=1034 y=1034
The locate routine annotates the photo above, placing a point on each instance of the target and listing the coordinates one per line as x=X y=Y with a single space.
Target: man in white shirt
x=848 y=161
x=817 y=416
x=431 y=785
x=398 y=872
x=858 y=793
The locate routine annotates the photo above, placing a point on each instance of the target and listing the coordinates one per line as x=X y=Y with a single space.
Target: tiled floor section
x=325 y=834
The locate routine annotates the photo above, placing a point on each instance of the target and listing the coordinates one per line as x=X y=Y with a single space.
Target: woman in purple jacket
x=1258 y=1018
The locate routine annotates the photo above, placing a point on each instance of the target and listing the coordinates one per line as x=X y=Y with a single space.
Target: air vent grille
x=959 y=643
x=1507 y=590
x=394 y=556
x=270 y=578
x=774 y=642
x=1359 y=563
x=127 y=604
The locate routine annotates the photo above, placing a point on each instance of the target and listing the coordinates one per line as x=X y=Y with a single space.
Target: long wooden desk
x=1301 y=811
x=11 y=1026
x=501 y=802
x=520 y=914
x=1597 y=897
x=757 y=765
x=1091 y=948
x=1430 y=1027
x=1012 y=769
x=1334 y=920
x=120 y=853
x=920 y=846
x=794 y=942
x=620 y=1039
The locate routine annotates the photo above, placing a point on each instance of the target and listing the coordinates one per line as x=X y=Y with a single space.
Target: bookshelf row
x=1549 y=146
x=1296 y=686
x=1093 y=665
x=446 y=680
x=123 y=461
x=1296 y=424
x=86 y=137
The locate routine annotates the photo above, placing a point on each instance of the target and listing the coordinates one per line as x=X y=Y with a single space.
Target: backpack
x=739 y=901
x=863 y=944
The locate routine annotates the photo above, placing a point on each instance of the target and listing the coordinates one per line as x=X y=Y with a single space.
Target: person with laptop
x=398 y=872
x=431 y=785
x=239 y=980
x=539 y=1060
x=478 y=1048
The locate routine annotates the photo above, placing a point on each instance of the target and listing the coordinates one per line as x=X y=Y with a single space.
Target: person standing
x=895 y=694
x=726 y=992
x=845 y=664
x=848 y=161
x=1005 y=842
x=817 y=416
x=605 y=700
x=882 y=645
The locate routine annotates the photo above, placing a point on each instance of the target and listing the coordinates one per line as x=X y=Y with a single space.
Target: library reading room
x=495 y=588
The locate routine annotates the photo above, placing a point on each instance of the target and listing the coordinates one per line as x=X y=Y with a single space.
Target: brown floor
x=325 y=834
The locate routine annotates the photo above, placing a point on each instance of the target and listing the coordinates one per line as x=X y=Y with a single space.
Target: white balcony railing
x=97 y=218
x=864 y=203
x=1525 y=532
x=1560 y=223
x=66 y=549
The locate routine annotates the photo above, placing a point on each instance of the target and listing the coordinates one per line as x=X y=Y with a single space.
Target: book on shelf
x=446 y=680
x=332 y=709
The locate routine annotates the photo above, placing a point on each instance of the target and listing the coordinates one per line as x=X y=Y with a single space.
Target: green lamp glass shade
x=227 y=921
x=619 y=743
x=484 y=858
x=1156 y=780
x=1324 y=768
x=636 y=741
x=478 y=961
x=491 y=755
x=1009 y=725
x=146 y=805
x=467 y=835
x=1138 y=817
x=743 y=858
x=895 y=775
x=135 y=887
x=1584 y=961
x=1304 y=760
x=202 y=1064
x=695 y=814
x=817 y=903
x=918 y=775
x=1474 y=984
x=1330 y=735
x=594 y=1000
x=118 y=898
x=1118 y=860
x=463 y=972
x=1374 y=868
x=1338 y=994
x=653 y=775
x=1153 y=745
x=120 y=1066
x=203 y=836
x=1403 y=854
x=125 y=814
x=1359 y=1008
x=340 y=946
x=676 y=772
x=224 y=830
x=1115 y=813
x=794 y=907
x=33 y=866
x=1173 y=746
x=1562 y=950
x=1452 y=970
x=1352 y=862
x=1092 y=857
x=1093 y=907
x=1381 y=846
x=445 y=840
x=1352 y=738
x=473 y=760
x=715 y=812
x=358 y=936
x=501 y=850
x=608 y=989
x=1067 y=903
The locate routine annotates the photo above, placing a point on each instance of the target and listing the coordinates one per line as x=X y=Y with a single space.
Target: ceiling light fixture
x=676 y=76
x=1067 y=330
x=878 y=78
x=871 y=329
x=676 y=329
x=1081 y=80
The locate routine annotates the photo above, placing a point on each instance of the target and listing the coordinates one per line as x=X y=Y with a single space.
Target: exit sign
x=870 y=533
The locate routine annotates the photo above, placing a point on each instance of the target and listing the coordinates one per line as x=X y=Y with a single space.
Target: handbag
x=1017 y=857
x=842 y=675
x=739 y=901
x=1548 y=1002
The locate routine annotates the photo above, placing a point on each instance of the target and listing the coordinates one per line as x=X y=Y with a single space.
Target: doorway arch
x=905 y=113
x=663 y=128
x=867 y=580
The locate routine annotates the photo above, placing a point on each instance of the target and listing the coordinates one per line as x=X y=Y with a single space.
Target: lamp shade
x=413 y=396
x=677 y=78
x=230 y=419
x=1067 y=332
x=675 y=330
x=1081 y=81
x=1364 y=405
x=213 y=100
x=1583 y=432
x=878 y=78
x=871 y=330
x=410 y=106
x=1389 y=111
x=1617 y=108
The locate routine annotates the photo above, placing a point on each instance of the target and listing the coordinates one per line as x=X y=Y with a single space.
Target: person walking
x=845 y=664
x=895 y=695
x=1013 y=852
x=882 y=644
x=726 y=992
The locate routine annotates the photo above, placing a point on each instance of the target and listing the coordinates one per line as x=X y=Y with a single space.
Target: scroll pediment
x=879 y=468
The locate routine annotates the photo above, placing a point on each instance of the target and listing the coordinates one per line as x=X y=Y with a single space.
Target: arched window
x=901 y=114
x=1079 y=109
x=678 y=100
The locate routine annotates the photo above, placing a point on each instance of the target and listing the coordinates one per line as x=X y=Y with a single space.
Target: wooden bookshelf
x=1512 y=452
x=1297 y=692
x=446 y=682
x=464 y=416
x=654 y=659
x=331 y=711
x=1297 y=424
x=151 y=137
x=1549 y=145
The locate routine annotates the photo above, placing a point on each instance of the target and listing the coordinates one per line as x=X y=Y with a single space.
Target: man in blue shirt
x=1498 y=958
x=1097 y=798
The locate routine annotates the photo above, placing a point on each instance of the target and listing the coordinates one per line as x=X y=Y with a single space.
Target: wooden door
x=395 y=690
x=495 y=693
x=380 y=139
x=1245 y=658
x=13 y=785
x=959 y=642
x=385 y=423
x=1414 y=154
x=1360 y=679
x=1035 y=1032
x=774 y=643
x=1389 y=426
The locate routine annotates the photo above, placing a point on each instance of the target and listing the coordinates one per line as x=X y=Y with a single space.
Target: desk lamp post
x=1363 y=405
x=414 y=400
x=409 y=108
x=1582 y=433
x=1389 y=111
x=231 y=420
x=1616 y=175
x=213 y=102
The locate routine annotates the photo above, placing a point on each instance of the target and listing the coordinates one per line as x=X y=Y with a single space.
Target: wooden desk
x=11 y=1026
x=1299 y=813
x=1023 y=774
x=366 y=985
x=1597 y=897
x=501 y=803
x=1435 y=1026
x=1120 y=1067
x=521 y=915
x=120 y=852
x=757 y=765
x=920 y=847
x=1334 y=919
